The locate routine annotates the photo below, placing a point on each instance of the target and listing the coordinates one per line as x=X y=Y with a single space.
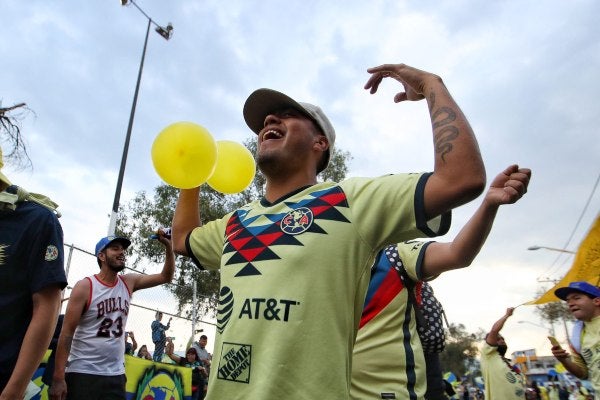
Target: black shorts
x=95 y=387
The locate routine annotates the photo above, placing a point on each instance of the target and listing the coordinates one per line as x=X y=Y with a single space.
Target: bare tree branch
x=13 y=144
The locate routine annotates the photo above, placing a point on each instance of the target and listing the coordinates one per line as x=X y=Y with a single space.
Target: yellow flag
x=586 y=266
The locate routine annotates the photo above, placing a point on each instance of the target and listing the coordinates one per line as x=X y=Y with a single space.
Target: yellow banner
x=151 y=380
x=586 y=266
x=145 y=380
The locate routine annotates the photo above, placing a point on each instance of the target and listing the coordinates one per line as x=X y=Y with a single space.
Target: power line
x=585 y=207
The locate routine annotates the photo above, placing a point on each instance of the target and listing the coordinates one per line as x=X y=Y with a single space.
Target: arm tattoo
x=443 y=137
x=431 y=101
x=443 y=140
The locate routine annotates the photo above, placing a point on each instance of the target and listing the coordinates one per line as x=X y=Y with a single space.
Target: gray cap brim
x=263 y=102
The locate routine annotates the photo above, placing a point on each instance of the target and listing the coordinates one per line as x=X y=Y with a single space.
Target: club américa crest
x=297 y=221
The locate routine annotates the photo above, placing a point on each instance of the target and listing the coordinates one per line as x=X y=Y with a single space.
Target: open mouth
x=272 y=134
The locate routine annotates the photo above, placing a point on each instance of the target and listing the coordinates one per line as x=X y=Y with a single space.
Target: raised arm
x=75 y=307
x=169 y=351
x=185 y=219
x=141 y=281
x=134 y=344
x=493 y=336
x=46 y=304
x=506 y=188
x=459 y=173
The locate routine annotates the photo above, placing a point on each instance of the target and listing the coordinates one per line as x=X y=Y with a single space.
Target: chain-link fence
x=80 y=263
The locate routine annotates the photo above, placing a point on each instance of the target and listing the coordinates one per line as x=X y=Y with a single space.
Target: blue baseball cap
x=105 y=241
x=581 y=287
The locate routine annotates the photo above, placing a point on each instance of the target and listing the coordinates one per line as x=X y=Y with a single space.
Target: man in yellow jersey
x=583 y=300
x=295 y=264
x=388 y=360
x=503 y=381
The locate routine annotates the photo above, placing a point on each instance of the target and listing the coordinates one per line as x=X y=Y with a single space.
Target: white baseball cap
x=264 y=101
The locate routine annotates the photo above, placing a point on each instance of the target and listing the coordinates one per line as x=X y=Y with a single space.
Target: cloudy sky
x=526 y=73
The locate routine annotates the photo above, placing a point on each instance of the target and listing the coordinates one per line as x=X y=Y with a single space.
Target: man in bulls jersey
x=388 y=360
x=295 y=264
x=90 y=353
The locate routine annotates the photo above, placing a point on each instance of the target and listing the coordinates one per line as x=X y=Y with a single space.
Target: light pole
x=550 y=248
x=166 y=33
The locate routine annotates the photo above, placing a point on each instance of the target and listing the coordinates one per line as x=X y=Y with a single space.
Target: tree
x=460 y=354
x=10 y=133
x=145 y=213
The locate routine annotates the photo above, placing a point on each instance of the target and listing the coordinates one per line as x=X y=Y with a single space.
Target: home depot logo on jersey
x=235 y=362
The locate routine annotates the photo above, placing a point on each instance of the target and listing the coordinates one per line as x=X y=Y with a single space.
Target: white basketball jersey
x=98 y=344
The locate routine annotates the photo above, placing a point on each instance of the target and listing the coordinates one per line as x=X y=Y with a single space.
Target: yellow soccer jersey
x=388 y=360
x=501 y=382
x=293 y=281
x=590 y=351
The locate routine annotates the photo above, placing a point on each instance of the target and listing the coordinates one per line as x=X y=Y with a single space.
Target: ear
x=321 y=143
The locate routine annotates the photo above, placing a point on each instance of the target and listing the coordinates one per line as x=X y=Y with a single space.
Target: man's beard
x=502 y=349
x=268 y=164
x=116 y=268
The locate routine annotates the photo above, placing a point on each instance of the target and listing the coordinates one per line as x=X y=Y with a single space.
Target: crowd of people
x=504 y=380
x=558 y=391
x=336 y=262
x=549 y=390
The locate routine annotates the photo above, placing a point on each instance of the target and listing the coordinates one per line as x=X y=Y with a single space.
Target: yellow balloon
x=184 y=155
x=235 y=168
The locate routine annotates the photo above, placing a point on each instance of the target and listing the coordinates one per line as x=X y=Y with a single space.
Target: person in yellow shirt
x=553 y=391
x=583 y=300
x=582 y=392
x=389 y=359
x=502 y=380
x=543 y=392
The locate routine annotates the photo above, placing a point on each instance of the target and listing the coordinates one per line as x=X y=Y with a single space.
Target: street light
x=550 y=248
x=166 y=33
